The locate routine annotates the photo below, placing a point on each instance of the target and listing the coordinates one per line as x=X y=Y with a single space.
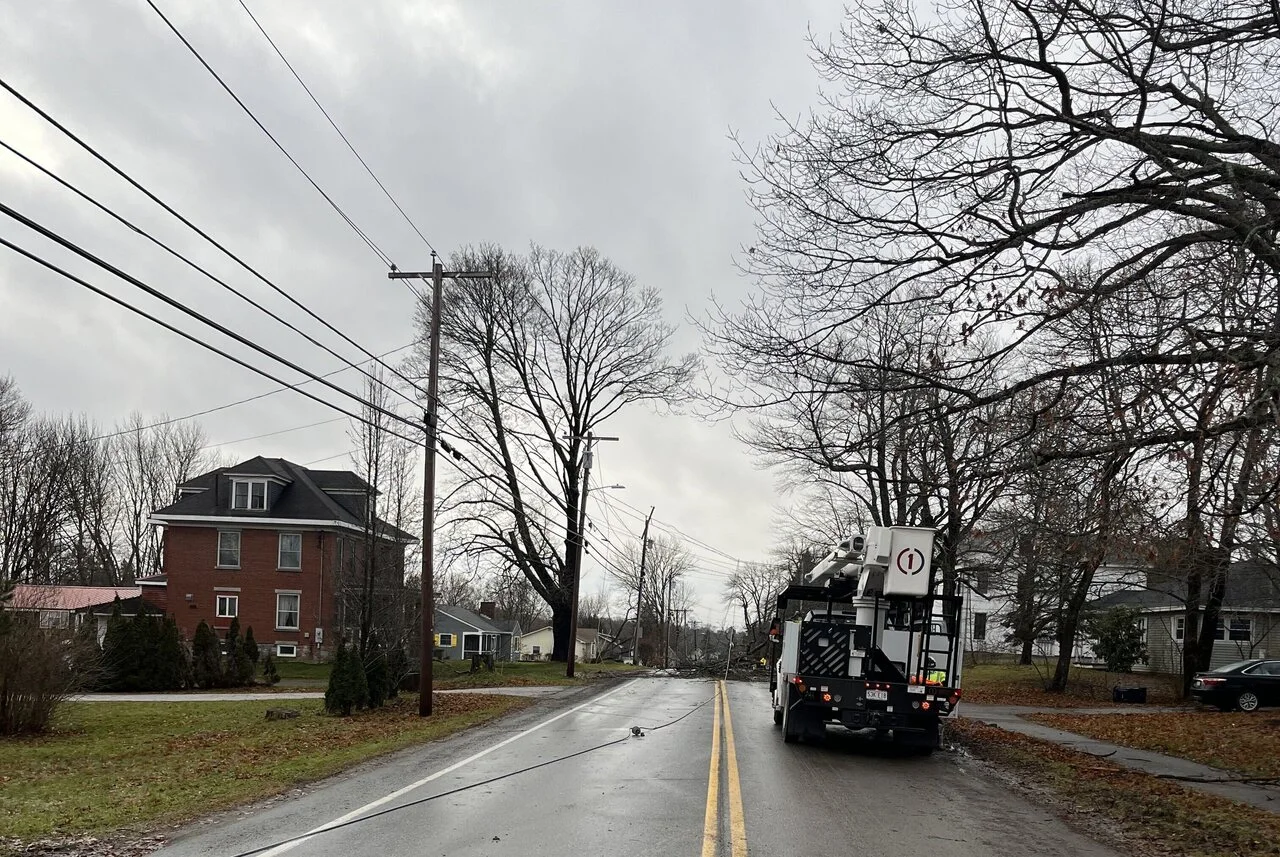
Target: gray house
x=509 y=639
x=1248 y=627
x=461 y=633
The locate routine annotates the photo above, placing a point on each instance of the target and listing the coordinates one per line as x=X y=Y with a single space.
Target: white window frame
x=292 y=647
x=1247 y=630
x=252 y=486
x=453 y=640
x=297 y=611
x=1179 y=627
x=280 y=553
x=221 y=533
x=233 y=601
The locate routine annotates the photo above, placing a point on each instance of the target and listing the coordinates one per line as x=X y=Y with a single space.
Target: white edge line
x=400 y=792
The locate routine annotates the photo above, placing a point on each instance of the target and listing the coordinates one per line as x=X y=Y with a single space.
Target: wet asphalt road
x=650 y=795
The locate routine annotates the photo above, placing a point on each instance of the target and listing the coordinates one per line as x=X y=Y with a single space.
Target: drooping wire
x=107 y=162
x=420 y=801
x=190 y=336
x=196 y=266
x=181 y=307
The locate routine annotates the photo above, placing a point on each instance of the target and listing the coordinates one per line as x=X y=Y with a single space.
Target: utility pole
x=666 y=621
x=579 y=541
x=644 y=553
x=430 y=419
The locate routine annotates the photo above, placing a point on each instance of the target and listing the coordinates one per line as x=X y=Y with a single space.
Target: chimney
x=489 y=609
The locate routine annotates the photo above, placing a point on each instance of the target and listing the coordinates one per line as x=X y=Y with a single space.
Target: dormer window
x=249 y=494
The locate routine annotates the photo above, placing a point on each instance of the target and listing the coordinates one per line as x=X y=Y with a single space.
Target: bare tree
x=533 y=360
x=372 y=577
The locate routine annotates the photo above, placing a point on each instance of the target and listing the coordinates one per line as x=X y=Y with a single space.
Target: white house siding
x=997 y=607
x=538 y=645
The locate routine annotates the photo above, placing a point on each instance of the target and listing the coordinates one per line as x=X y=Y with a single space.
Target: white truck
x=866 y=644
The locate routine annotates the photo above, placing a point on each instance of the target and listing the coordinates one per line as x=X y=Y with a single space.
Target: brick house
x=280 y=547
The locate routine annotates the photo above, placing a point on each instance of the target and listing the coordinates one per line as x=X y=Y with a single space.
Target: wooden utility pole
x=644 y=553
x=579 y=540
x=430 y=424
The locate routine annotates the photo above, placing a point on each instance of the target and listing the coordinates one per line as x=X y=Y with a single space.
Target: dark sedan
x=1245 y=685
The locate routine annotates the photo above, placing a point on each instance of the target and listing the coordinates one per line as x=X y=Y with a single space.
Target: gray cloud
x=561 y=123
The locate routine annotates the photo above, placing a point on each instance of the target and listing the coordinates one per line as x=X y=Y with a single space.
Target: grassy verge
x=133 y=765
x=1165 y=817
x=1248 y=744
x=303 y=671
x=1014 y=684
x=451 y=675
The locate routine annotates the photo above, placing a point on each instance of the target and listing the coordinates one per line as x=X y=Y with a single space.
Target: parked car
x=1246 y=685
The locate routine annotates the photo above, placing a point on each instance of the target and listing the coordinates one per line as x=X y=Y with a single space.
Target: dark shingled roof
x=1250 y=585
x=302 y=498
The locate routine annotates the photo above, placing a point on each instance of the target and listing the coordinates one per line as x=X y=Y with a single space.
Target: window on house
x=287 y=608
x=537 y=650
x=228 y=549
x=979 y=626
x=1240 y=629
x=1180 y=627
x=228 y=606
x=286 y=650
x=248 y=494
x=290 y=551
x=446 y=641
x=982 y=581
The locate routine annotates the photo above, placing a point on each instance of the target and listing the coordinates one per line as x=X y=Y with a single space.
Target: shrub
x=1117 y=638
x=37 y=669
x=251 y=647
x=143 y=671
x=239 y=668
x=173 y=666
x=377 y=674
x=270 y=675
x=206 y=659
x=398 y=666
x=348 y=688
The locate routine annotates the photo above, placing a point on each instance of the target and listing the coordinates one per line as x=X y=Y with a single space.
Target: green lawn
x=1014 y=684
x=108 y=766
x=290 y=669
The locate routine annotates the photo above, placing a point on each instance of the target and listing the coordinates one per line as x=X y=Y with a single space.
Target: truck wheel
x=777 y=716
x=790 y=734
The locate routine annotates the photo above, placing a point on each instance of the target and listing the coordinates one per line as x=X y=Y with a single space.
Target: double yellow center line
x=711 y=822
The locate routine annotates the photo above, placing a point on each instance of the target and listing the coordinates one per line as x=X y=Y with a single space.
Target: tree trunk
x=1025 y=657
x=561 y=646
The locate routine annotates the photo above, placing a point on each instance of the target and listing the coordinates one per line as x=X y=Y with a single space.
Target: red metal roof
x=30 y=597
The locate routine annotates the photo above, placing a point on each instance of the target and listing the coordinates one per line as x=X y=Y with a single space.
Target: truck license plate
x=878 y=695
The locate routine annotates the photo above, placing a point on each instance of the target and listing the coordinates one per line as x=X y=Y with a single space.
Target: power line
x=170 y=421
x=172 y=252
x=184 y=334
x=43 y=114
x=383 y=257
x=178 y=305
x=334 y=124
x=273 y=433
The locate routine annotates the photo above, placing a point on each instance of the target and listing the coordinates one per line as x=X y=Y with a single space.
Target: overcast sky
x=596 y=123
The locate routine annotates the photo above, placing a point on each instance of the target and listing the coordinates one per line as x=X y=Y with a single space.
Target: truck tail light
x=799 y=683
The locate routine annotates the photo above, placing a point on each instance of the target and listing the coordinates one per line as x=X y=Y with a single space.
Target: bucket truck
x=866 y=644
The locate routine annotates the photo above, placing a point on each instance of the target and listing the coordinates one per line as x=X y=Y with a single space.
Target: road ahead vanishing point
x=708 y=776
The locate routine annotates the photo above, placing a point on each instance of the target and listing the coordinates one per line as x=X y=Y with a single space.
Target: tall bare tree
x=533 y=359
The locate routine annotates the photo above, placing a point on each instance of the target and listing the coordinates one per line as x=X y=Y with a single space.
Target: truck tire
x=790 y=734
x=777 y=716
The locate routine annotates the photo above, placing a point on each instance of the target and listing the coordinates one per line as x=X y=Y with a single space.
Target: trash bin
x=1129 y=694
